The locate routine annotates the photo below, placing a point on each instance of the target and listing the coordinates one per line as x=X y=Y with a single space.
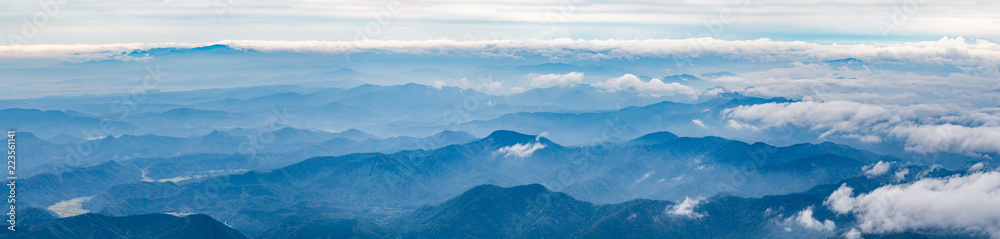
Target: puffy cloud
x=901 y=174
x=878 y=169
x=713 y=91
x=733 y=124
x=950 y=138
x=699 y=123
x=686 y=208
x=654 y=87
x=438 y=84
x=976 y=167
x=823 y=82
x=968 y=203
x=835 y=116
x=853 y=234
x=550 y=80
x=521 y=150
x=805 y=219
x=925 y=128
x=493 y=87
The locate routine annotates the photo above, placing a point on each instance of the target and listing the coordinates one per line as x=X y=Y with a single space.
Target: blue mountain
x=656 y=166
x=137 y=226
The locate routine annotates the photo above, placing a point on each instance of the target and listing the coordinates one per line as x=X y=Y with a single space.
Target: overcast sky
x=196 y=21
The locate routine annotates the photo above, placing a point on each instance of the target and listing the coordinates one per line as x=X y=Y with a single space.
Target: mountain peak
x=850 y=63
x=453 y=134
x=522 y=190
x=501 y=138
x=654 y=138
x=216 y=134
x=155 y=225
x=356 y=135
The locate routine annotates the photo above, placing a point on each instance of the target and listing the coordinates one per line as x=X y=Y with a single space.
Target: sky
x=196 y=21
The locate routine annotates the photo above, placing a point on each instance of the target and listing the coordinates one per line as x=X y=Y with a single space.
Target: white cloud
x=976 y=167
x=864 y=138
x=686 y=208
x=644 y=177
x=603 y=19
x=901 y=174
x=835 y=116
x=878 y=169
x=699 y=123
x=925 y=128
x=438 y=84
x=654 y=87
x=853 y=234
x=550 y=80
x=490 y=87
x=949 y=138
x=970 y=203
x=947 y=51
x=805 y=219
x=733 y=124
x=521 y=150
x=713 y=92
x=516 y=89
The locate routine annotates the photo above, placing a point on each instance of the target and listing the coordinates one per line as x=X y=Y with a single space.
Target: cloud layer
x=200 y=21
x=924 y=128
x=653 y=87
x=550 y=80
x=947 y=51
x=968 y=203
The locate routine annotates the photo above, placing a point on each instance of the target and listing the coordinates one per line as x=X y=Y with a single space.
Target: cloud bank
x=924 y=127
x=947 y=51
x=968 y=203
x=550 y=80
x=197 y=21
x=653 y=87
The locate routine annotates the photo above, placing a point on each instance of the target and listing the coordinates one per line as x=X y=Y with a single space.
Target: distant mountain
x=654 y=138
x=657 y=166
x=314 y=226
x=152 y=164
x=683 y=79
x=488 y=211
x=90 y=152
x=186 y=118
x=47 y=124
x=850 y=63
x=340 y=145
x=65 y=139
x=32 y=216
x=581 y=97
x=717 y=74
x=619 y=125
x=532 y=211
x=130 y=227
x=46 y=189
x=40 y=152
